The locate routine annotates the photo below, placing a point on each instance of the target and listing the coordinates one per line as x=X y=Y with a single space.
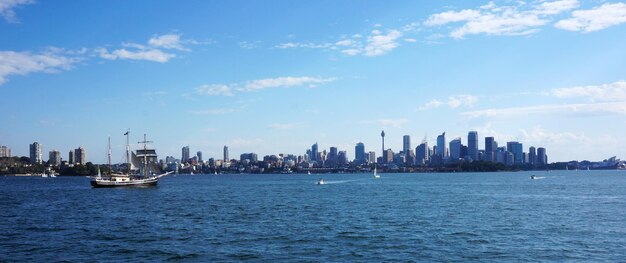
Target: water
x=574 y=216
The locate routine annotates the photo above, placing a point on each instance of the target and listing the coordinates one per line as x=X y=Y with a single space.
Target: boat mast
x=127 y=150
x=145 y=156
x=109 y=157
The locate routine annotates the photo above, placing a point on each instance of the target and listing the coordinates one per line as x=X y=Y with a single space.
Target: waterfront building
x=70 y=157
x=80 y=157
x=359 y=153
x=185 y=155
x=490 y=149
x=314 y=152
x=455 y=149
x=442 y=149
x=422 y=155
x=472 y=145
x=5 y=151
x=517 y=150
x=35 y=153
x=251 y=157
x=54 y=158
x=542 y=157
x=388 y=156
x=500 y=155
x=532 y=155
x=226 y=159
x=199 y=154
x=406 y=144
x=371 y=157
x=342 y=158
x=332 y=156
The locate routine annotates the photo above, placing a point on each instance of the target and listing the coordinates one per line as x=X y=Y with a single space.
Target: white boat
x=128 y=179
x=321 y=182
x=376 y=174
x=309 y=172
x=44 y=175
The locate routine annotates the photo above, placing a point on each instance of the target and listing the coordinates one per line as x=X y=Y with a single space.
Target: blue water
x=573 y=216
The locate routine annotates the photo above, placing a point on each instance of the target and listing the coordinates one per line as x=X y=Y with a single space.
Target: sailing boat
x=375 y=173
x=141 y=179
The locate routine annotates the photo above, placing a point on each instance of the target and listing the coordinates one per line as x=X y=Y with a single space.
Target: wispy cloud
x=261 y=84
x=238 y=142
x=24 y=63
x=214 y=111
x=492 y=19
x=455 y=101
x=159 y=48
x=598 y=18
x=284 y=126
x=395 y=123
x=7 y=9
x=574 y=110
x=615 y=91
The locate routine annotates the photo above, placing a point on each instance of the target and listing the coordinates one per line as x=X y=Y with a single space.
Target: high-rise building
x=359 y=153
x=542 y=157
x=35 y=153
x=490 y=149
x=455 y=149
x=382 y=134
x=199 y=154
x=406 y=144
x=421 y=153
x=5 y=151
x=54 y=158
x=371 y=157
x=517 y=150
x=532 y=155
x=226 y=154
x=472 y=145
x=185 y=155
x=314 y=152
x=342 y=158
x=80 y=157
x=388 y=156
x=332 y=156
x=70 y=157
x=442 y=149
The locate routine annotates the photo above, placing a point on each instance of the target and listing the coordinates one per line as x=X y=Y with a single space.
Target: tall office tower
x=371 y=157
x=359 y=153
x=421 y=153
x=532 y=155
x=314 y=152
x=70 y=158
x=342 y=158
x=406 y=144
x=5 y=151
x=54 y=157
x=35 y=153
x=455 y=149
x=388 y=156
x=472 y=145
x=382 y=134
x=490 y=149
x=226 y=154
x=442 y=149
x=80 y=157
x=517 y=150
x=332 y=156
x=542 y=157
x=199 y=154
x=185 y=155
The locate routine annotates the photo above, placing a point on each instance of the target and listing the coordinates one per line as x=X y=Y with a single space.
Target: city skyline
x=546 y=73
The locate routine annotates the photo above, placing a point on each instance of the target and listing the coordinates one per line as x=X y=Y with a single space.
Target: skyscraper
x=332 y=156
x=54 y=157
x=388 y=156
x=532 y=155
x=5 y=151
x=359 y=153
x=490 y=149
x=542 y=157
x=472 y=145
x=371 y=157
x=517 y=150
x=421 y=153
x=226 y=154
x=314 y=152
x=80 y=157
x=185 y=155
x=199 y=154
x=35 y=153
x=406 y=144
x=455 y=149
x=70 y=157
x=442 y=149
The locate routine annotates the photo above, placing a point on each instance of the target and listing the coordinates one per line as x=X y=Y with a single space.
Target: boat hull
x=133 y=183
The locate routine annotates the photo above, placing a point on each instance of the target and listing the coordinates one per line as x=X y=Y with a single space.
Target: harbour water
x=568 y=215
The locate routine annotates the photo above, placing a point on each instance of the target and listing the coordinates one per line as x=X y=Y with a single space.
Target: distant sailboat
x=376 y=174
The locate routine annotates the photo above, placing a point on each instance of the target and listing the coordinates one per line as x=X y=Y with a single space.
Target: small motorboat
x=533 y=177
x=321 y=181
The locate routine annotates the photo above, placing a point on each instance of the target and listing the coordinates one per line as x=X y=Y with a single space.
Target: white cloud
x=215 y=90
x=24 y=63
x=453 y=102
x=168 y=41
x=545 y=110
x=539 y=135
x=606 y=15
x=290 y=45
x=284 y=126
x=379 y=44
x=615 y=91
x=7 y=9
x=396 y=123
x=214 y=111
x=155 y=55
x=491 y=19
x=261 y=84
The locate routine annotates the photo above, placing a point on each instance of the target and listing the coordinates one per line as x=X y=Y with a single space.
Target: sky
x=276 y=77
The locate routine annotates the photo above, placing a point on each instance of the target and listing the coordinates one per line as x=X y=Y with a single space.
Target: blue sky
x=277 y=76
